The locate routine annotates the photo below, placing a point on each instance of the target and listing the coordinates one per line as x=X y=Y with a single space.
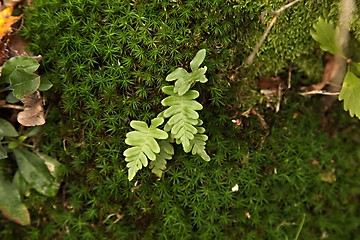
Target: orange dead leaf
x=33 y=115
x=6 y=20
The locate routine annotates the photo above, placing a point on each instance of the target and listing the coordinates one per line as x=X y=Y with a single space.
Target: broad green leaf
x=35 y=172
x=33 y=131
x=355 y=68
x=28 y=64
x=326 y=35
x=45 y=85
x=176 y=74
x=52 y=165
x=350 y=94
x=23 y=83
x=21 y=185
x=11 y=205
x=198 y=59
x=7 y=129
x=10 y=98
x=3 y=153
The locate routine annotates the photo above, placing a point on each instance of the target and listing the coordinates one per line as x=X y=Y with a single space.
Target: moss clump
x=108 y=61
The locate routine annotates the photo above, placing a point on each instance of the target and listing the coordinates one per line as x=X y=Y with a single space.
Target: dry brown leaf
x=6 y=20
x=33 y=115
x=8 y=3
x=17 y=46
x=327 y=75
x=4 y=52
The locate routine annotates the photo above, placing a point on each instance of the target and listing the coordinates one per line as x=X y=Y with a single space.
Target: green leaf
x=3 y=153
x=7 y=129
x=183 y=116
x=198 y=59
x=176 y=74
x=144 y=143
x=45 y=85
x=33 y=131
x=28 y=64
x=350 y=94
x=52 y=165
x=326 y=35
x=11 y=205
x=159 y=164
x=35 y=172
x=182 y=85
x=10 y=98
x=23 y=83
x=198 y=144
x=21 y=185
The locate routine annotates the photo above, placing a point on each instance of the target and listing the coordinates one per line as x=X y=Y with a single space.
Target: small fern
x=144 y=144
x=182 y=115
x=186 y=80
x=166 y=153
x=183 y=125
x=198 y=144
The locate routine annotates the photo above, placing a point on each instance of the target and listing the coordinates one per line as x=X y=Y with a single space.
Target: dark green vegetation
x=108 y=61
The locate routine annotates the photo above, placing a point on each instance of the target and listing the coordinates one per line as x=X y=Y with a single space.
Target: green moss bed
x=108 y=61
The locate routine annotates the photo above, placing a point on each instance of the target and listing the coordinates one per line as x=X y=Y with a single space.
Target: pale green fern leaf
x=183 y=116
x=198 y=144
x=144 y=143
x=159 y=164
x=184 y=79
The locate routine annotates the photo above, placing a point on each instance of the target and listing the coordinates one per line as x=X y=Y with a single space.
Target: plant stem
x=300 y=227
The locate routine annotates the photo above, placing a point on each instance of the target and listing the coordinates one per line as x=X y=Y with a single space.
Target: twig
x=289 y=79
x=320 y=92
x=276 y=14
x=12 y=106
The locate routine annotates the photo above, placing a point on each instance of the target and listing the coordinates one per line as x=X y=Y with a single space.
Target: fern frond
x=144 y=144
x=186 y=80
x=182 y=115
x=159 y=164
x=198 y=144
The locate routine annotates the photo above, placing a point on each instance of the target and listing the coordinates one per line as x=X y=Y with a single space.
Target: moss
x=108 y=61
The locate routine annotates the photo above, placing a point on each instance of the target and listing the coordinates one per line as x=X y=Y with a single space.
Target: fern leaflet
x=144 y=144
x=166 y=153
x=182 y=115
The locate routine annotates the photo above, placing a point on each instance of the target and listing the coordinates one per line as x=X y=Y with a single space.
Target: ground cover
x=108 y=61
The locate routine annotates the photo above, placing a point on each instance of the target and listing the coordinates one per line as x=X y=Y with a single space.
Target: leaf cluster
x=326 y=34
x=34 y=171
x=183 y=125
x=31 y=170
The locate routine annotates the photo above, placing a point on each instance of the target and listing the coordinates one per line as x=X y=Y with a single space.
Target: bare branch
x=276 y=14
x=319 y=92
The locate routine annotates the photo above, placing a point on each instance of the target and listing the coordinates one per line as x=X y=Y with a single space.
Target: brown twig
x=276 y=14
x=11 y=106
x=320 y=92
